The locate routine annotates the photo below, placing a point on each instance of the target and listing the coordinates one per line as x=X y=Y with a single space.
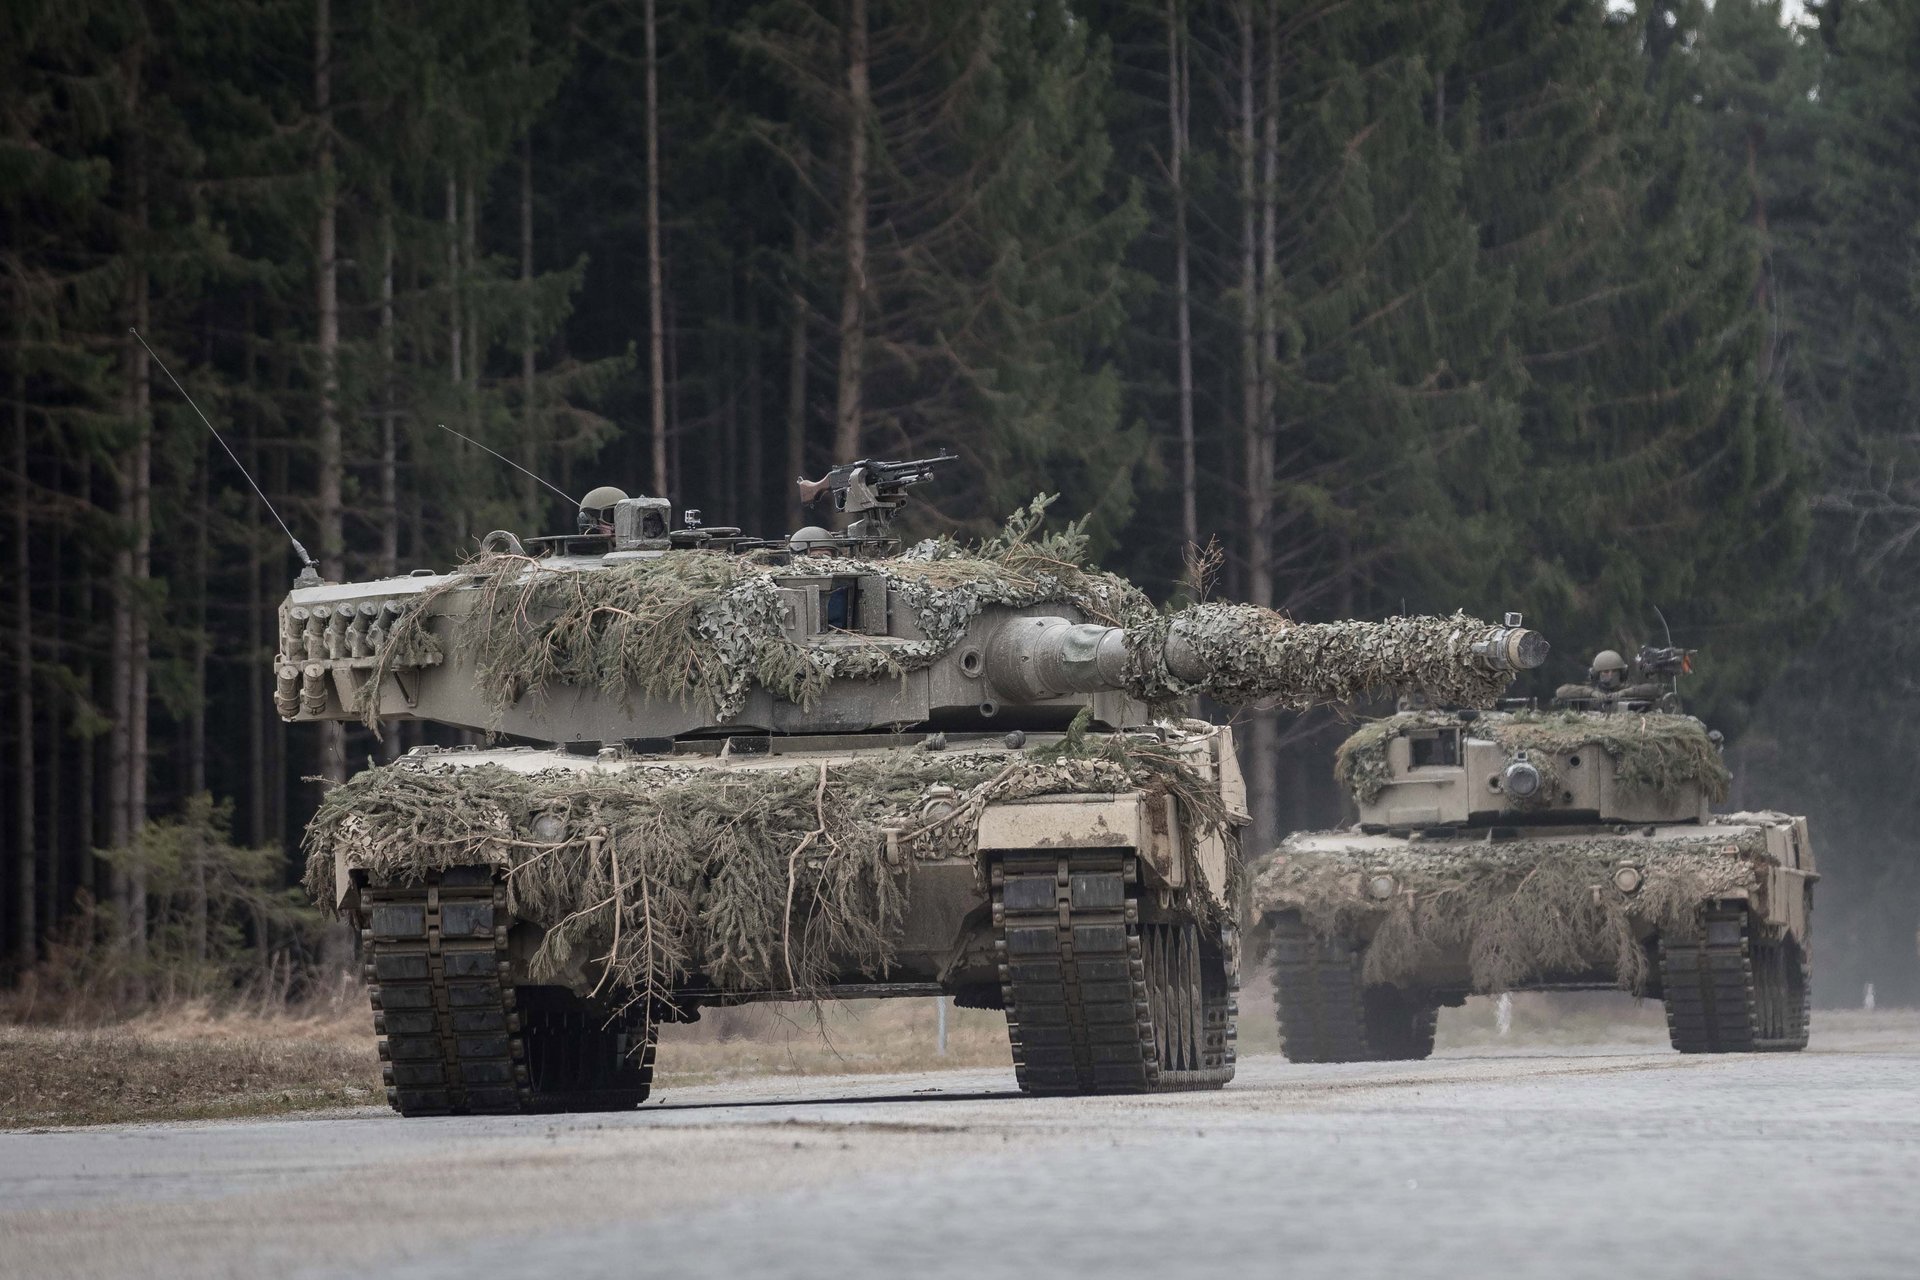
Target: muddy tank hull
x=1367 y=934
x=530 y=919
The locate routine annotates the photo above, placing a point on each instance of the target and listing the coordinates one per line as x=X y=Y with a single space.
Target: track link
x=456 y=1038
x=443 y=1007
x=1092 y=1005
x=1727 y=993
x=1328 y=1013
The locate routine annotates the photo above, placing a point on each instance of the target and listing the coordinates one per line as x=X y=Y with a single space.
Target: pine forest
x=1604 y=313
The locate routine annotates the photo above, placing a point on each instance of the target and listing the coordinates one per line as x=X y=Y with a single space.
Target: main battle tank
x=809 y=769
x=1540 y=850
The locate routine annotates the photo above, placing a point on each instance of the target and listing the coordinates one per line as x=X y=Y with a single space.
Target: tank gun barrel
x=1240 y=653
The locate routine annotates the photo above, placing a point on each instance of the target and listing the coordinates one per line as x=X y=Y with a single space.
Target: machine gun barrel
x=880 y=479
x=1237 y=654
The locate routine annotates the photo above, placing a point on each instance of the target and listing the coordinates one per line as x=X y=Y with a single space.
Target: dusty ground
x=1519 y=1159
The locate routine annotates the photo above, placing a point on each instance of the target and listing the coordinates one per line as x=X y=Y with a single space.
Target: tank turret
x=659 y=644
x=1604 y=753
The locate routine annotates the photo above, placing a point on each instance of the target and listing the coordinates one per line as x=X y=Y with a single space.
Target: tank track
x=1327 y=1012
x=453 y=1039
x=1096 y=1002
x=1725 y=993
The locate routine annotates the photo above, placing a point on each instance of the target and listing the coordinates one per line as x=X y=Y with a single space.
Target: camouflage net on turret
x=710 y=626
x=1519 y=910
x=1252 y=653
x=754 y=878
x=1652 y=752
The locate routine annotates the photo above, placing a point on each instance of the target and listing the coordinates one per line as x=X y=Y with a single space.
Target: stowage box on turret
x=1539 y=850
x=816 y=768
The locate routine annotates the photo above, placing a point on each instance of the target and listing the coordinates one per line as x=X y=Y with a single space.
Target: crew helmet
x=1609 y=668
x=811 y=538
x=596 y=509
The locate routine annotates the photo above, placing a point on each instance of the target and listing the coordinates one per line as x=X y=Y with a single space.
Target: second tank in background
x=1566 y=849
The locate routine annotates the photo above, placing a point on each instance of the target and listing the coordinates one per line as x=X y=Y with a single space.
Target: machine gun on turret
x=871 y=491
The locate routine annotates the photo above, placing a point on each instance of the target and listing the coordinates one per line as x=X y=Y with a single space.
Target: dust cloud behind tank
x=811 y=767
x=1522 y=849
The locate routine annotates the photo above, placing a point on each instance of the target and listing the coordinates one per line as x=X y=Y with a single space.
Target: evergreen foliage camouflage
x=760 y=877
x=1651 y=751
x=1251 y=653
x=695 y=624
x=692 y=624
x=1522 y=910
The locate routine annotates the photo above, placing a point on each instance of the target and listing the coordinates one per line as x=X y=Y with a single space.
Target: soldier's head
x=1609 y=670
x=811 y=541
x=596 y=510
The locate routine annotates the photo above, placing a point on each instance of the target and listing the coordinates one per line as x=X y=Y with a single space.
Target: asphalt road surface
x=1605 y=1162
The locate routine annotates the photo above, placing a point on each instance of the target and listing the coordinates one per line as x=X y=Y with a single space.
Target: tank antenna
x=306 y=560
x=504 y=458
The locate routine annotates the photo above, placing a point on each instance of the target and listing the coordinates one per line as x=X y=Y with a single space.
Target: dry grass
x=184 y=1064
x=189 y=1062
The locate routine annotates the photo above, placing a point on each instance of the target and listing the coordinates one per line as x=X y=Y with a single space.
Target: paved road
x=1604 y=1162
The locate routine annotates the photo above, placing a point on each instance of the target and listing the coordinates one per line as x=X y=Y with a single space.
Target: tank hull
x=1376 y=929
x=524 y=943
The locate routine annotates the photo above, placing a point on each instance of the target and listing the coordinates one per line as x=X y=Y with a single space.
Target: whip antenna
x=504 y=458
x=298 y=550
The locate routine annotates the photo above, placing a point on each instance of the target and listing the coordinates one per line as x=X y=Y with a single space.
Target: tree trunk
x=850 y=410
x=389 y=416
x=453 y=278
x=197 y=711
x=24 y=844
x=797 y=378
x=58 y=868
x=1177 y=100
x=259 y=675
x=656 y=355
x=1263 y=742
x=727 y=482
x=333 y=762
x=529 y=450
x=86 y=784
x=140 y=506
x=756 y=407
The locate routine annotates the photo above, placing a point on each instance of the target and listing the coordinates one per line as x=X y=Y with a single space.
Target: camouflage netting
x=1650 y=751
x=710 y=626
x=1518 y=910
x=759 y=878
x=1252 y=653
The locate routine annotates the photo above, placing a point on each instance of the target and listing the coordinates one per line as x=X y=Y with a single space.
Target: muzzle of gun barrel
x=1512 y=647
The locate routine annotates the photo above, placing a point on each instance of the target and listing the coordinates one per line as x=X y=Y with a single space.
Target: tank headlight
x=549 y=828
x=1381 y=886
x=1628 y=879
x=1520 y=780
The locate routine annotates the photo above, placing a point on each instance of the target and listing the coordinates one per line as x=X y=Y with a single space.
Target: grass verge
x=190 y=1063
